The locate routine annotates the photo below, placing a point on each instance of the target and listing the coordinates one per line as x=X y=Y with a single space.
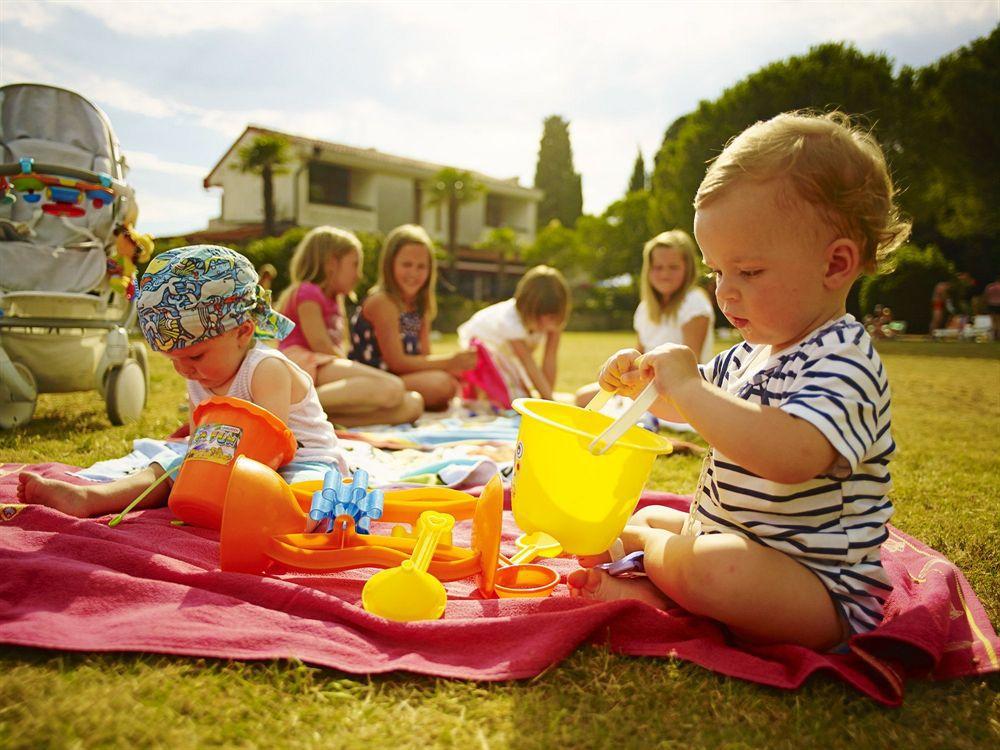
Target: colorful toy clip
x=347 y=497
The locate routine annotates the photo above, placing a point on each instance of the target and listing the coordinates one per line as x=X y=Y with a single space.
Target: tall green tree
x=638 y=180
x=829 y=76
x=452 y=188
x=555 y=176
x=266 y=156
x=947 y=155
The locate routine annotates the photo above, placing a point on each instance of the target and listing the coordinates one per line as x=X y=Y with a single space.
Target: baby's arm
x=763 y=439
x=537 y=377
x=271 y=387
x=314 y=329
x=384 y=317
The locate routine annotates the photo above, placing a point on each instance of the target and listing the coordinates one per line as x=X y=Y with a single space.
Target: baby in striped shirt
x=782 y=544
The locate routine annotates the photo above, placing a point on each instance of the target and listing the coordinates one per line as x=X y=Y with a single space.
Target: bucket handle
x=600 y=444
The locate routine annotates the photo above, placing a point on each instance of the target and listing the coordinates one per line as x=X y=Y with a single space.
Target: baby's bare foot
x=596 y=584
x=68 y=498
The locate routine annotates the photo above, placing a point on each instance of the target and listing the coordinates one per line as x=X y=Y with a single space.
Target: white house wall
x=393 y=201
x=243 y=199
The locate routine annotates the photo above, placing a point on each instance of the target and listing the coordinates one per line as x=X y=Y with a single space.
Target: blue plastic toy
x=340 y=498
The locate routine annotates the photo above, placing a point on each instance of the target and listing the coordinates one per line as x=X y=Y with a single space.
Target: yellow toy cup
x=561 y=488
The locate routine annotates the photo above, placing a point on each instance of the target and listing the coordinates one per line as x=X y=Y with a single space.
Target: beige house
x=363 y=190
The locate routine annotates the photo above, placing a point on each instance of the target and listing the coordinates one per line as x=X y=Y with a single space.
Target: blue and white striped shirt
x=834 y=523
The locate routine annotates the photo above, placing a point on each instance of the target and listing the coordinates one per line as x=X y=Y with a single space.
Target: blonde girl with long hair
x=325 y=268
x=672 y=309
x=391 y=329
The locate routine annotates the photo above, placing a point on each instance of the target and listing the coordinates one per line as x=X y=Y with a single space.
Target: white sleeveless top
x=306 y=419
x=695 y=304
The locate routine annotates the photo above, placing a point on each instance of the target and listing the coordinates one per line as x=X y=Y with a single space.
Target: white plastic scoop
x=600 y=444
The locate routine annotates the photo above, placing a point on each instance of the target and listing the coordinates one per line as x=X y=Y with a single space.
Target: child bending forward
x=783 y=540
x=202 y=307
x=513 y=329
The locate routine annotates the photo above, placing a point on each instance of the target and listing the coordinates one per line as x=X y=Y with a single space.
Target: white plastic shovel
x=619 y=427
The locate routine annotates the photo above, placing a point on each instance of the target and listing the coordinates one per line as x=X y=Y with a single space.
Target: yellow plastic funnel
x=409 y=592
x=561 y=488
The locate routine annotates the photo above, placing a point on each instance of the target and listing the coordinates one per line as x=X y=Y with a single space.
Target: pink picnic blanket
x=146 y=585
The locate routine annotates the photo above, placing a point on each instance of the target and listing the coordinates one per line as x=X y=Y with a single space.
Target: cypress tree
x=554 y=174
x=638 y=180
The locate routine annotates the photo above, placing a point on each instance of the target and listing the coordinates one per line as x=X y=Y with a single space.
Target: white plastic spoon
x=600 y=445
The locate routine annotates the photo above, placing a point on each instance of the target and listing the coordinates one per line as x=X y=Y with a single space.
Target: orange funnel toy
x=264 y=519
x=225 y=429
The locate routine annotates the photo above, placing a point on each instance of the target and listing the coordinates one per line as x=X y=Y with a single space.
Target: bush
x=453 y=310
x=908 y=286
x=602 y=308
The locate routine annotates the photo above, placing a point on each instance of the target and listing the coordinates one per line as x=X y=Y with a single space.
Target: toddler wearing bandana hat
x=202 y=307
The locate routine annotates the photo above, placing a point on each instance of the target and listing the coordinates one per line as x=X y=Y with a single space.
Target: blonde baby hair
x=408 y=234
x=656 y=306
x=311 y=254
x=542 y=291
x=831 y=163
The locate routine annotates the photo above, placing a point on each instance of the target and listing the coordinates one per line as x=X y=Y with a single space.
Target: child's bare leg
x=436 y=386
x=408 y=410
x=761 y=594
x=94 y=499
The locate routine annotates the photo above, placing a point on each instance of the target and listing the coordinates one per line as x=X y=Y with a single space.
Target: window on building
x=329 y=184
x=494 y=211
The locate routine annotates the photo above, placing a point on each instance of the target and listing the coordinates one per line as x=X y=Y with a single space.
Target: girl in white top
x=513 y=329
x=202 y=308
x=672 y=309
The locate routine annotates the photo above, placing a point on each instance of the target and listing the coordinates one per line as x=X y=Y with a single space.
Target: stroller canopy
x=59 y=127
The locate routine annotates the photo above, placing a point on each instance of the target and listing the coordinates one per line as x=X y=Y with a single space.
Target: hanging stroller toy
x=68 y=249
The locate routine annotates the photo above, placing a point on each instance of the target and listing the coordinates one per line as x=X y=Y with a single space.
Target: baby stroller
x=63 y=317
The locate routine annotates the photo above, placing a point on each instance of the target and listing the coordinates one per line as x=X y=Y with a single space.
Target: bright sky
x=466 y=84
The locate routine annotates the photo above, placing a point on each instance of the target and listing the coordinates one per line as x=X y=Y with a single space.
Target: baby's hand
x=619 y=374
x=670 y=365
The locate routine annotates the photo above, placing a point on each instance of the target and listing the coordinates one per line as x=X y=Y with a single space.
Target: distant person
x=325 y=267
x=782 y=543
x=512 y=330
x=991 y=298
x=267 y=274
x=391 y=329
x=940 y=304
x=673 y=309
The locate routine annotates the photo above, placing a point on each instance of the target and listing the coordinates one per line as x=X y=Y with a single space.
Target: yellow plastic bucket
x=561 y=488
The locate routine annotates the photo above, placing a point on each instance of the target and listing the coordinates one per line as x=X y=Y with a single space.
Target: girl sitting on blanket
x=672 y=309
x=325 y=268
x=202 y=308
x=513 y=329
x=783 y=540
x=391 y=329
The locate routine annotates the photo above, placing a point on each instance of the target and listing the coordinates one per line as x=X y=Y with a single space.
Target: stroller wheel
x=125 y=392
x=16 y=413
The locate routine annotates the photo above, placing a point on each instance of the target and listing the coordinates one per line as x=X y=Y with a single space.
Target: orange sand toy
x=263 y=518
x=225 y=429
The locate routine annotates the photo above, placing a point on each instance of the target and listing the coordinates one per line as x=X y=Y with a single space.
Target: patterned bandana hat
x=193 y=294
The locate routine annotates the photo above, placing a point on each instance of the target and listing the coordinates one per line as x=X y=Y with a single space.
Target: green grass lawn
x=946 y=417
